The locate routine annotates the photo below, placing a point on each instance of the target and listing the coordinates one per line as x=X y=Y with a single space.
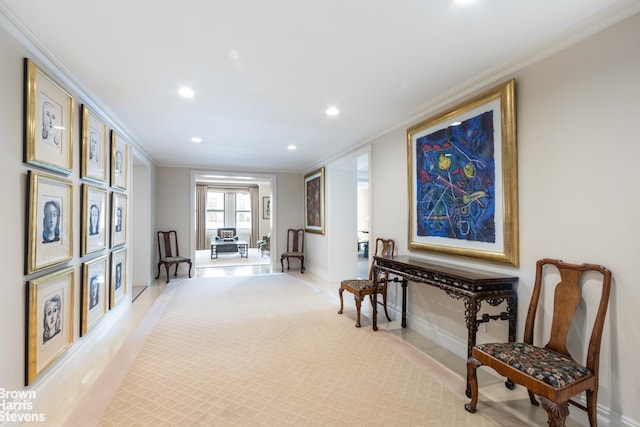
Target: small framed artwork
x=314 y=201
x=50 y=219
x=48 y=111
x=94 y=146
x=463 y=181
x=118 y=287
x=49 y=320
x=119 y=161
x=94 y=293
x=94 y=219
x=266 y=208
x=118 y=219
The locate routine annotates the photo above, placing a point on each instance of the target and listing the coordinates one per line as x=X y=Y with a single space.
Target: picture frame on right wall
x=118 y=281
x=314 y=218
x=463 y=180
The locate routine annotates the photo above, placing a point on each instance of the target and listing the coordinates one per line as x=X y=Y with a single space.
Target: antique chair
x=169 y=253
x=550 y=371
x=295 y=248
x=264 y=245
x=363 y=287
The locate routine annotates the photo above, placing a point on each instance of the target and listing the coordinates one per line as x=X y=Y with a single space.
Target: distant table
x=239 y=246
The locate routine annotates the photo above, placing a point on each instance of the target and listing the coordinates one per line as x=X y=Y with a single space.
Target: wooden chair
x=295 y=248
x=550 y=371
x=363 y=287
x=167 y=247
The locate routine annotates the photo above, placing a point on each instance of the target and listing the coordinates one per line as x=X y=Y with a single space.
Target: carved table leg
x=404 y=302
x=374 y=312
x=471 y=309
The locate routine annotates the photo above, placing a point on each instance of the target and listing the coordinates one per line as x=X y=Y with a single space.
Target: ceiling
x=264 y=72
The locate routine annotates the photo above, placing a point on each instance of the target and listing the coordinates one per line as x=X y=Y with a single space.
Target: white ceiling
x=264 y=72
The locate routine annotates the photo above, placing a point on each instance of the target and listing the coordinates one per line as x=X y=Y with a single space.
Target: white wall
x=578 y=153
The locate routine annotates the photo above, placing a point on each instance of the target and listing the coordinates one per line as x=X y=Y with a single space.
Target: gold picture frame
x=94 y=293
x=94 y=147
x=119 y=161
x=463 y=181
x=94 y=219
x=50 y=305
x=314 y=218
x=118 y=219
x=48 y=121
x=118 y=278
x=49 y=221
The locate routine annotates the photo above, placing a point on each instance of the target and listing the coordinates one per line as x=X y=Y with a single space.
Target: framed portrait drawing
x=94 y=293
x=49 y=221
x=118 y=219
x=48 y=121
x=118 y=286
x=94 y=219
x=119 y=161
x=266 y=208
x=49 y=320
x=463 y=183
x=314 y=218
x=93 y=153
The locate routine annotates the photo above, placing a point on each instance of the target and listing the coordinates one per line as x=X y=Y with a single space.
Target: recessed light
x=291 y=147
x=456 y=123
x=196 y=140
x=333 y=111
x=186 y=92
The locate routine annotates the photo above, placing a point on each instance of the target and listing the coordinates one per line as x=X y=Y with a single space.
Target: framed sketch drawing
x=462 y=173
x=49 y=221
x=94 y=150
x=94 y=219
x=118 y=286
x=266 y=208
x=94 y=293
x=119 y=161
x=118 y=219
x=48 y=121
x=49 y=320
x=314 y=221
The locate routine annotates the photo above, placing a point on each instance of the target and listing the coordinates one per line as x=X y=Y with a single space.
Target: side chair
x=169 y=254
x=551 y=372
x=295 y=248
x=363 y=287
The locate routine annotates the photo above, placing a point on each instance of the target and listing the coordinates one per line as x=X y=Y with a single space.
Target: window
x=215 y=209
x=243 y=211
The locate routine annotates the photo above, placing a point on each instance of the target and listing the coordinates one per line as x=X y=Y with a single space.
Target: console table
x=470 y=285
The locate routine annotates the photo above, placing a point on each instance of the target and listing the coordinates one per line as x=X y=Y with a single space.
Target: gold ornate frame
x=314 y=218
x=119 y=161
x=117 y=292
x=118 y=225
x=49 y=297
x=438 y=179
x=48 y=194
x=93 y=239
x=94 y=133
x=94 y=293
x=48 y=111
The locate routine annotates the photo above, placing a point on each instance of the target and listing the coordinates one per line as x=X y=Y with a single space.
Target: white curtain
x=201 y=217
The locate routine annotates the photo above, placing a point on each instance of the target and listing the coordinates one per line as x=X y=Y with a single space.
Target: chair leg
x=166 y=267
x=592 y=407
x=159 y=264
x=190 y=269
x=472 y=386
x=358 y=300
x=384 y=304
x=340 y=291
x=556 y=412
x=176 y=272
x=302 y=265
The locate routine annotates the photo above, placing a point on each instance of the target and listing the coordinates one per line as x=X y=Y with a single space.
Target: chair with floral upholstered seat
x=550 y=371
x=363 y=287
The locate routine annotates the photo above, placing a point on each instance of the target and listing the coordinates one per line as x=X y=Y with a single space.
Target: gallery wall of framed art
x=76 y=219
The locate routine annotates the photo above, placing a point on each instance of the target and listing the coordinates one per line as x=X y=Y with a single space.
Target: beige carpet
x=271 y=350
x=203 y=259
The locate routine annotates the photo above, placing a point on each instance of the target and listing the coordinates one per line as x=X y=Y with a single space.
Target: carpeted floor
x=271 y=350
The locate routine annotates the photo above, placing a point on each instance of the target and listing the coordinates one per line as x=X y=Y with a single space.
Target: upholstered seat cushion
x=292 y=254
x=358 y=284
x=543 y=364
